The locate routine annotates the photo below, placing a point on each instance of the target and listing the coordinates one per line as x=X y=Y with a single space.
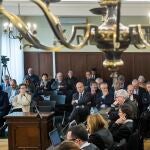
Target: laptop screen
x=54 y=137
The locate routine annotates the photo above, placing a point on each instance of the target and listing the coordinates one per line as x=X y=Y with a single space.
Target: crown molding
x=72 y=8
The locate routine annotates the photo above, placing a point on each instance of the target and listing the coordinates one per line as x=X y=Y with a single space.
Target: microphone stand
x=38 y=112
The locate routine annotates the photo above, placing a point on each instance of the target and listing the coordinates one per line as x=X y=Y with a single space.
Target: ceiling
x=76 y=7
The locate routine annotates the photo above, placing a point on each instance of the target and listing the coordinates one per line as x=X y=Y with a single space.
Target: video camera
x=4 y=60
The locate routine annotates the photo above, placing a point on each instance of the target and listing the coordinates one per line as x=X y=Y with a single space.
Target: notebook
x=54 y=137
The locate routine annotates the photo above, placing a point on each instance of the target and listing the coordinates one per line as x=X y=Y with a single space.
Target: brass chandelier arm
x=22 y=28
x=57 y=28
x=142 y=36
x=77 y=27
x=135 y=37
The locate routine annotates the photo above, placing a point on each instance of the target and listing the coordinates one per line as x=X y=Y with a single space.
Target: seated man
x=79 y=135
x=59 y=84
x=21 y=102
x=13 y=89
x=33 y=77
x=121 y=97
x=81 y=102
x=106 y=98
x=95 y=95
x=146 y=97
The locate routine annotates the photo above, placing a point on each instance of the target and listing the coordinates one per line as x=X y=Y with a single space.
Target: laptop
x=54 y=137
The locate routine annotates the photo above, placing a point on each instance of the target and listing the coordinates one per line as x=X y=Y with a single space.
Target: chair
x=60 y=99
x=61 y=113
x=122 y=145
x=46 y=106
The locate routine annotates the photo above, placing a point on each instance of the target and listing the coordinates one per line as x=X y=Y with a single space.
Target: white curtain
x=11 y=49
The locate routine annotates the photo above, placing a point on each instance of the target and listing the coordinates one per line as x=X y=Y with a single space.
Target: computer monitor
x=54 y=137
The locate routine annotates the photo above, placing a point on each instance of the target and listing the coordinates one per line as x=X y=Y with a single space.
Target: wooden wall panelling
x=94 y=60
x=45 y=65
x=78 y=64
x=41 y=62
x=31 y=59
x=63 y=62
x=142 y=65
x=128 y=69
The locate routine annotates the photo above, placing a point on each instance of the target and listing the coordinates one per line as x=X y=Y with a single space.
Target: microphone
x=38 y=112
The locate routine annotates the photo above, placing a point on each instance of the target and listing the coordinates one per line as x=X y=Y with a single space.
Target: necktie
x=80 y=96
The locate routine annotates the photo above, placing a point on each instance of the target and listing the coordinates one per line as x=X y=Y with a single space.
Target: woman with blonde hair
x=98 y=132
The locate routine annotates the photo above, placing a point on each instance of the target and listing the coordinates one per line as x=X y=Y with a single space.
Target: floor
x=3 y=144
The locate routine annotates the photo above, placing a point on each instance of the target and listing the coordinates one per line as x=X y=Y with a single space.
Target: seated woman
x=21 y=102
x=123 y=127
x=99 y=134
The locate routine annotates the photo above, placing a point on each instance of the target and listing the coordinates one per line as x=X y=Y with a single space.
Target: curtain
x=11 y=49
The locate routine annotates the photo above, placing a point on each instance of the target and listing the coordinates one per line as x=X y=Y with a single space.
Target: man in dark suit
x=79 y=135
x=134 y=98
x=93 y=73
x=71 y=81
x=4 y=105
x=106 y=98
x=59 y=84
x=146 y=97
x=139 y=91
x=95 y=93
x=81 y=104
x=87 y=79
x=33 y=77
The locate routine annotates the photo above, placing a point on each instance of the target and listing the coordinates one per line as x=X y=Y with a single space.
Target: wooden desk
x=27 y=131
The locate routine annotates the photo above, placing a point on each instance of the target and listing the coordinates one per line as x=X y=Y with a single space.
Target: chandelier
x=9 y=29
x=111 y=37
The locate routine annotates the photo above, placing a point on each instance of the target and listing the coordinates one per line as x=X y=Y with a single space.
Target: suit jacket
x=6 y=89
x=85 y=99
x=113 y=113
x=140 y=95
x=71 y=83
x=34 y=78
x=102 y=139
x=90 y=147
x=122 y=131
x=4 y=104
x=86 y=82
x=145 y=100
x=95 y=98
x=107 y=100
x=55 y=86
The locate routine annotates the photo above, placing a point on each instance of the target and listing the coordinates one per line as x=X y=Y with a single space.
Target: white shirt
x=84 y=145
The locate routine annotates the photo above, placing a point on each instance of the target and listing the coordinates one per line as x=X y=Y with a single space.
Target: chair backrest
x=122 y=145
x=134 y=141
x=46 y=106
x=60 y=99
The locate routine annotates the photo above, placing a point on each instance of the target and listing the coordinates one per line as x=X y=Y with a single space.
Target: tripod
x=4 y=71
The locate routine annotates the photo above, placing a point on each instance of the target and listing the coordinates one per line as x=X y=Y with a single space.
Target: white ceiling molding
x=72 y=8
